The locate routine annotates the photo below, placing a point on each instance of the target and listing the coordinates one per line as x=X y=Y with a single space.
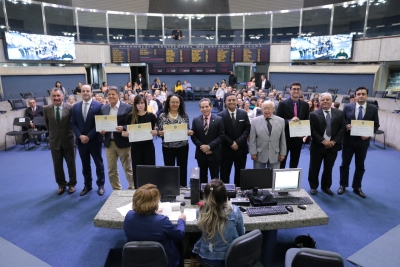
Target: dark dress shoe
x=37 y=143
x=85 y=191
x=327 y=191
x=71 y=189
x=341 y=190
x=100 y=191
x=26 y=141
x=359 y=192
x=313 y=192
x=61 y=190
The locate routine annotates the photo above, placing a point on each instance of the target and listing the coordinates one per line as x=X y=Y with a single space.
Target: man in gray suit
x=267 y=138
x=61 y=139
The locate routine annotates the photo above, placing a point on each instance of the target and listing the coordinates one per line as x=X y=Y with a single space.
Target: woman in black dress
x=143 y=152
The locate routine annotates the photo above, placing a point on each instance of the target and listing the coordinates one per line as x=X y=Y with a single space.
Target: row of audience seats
x=244 y=251
x=20 y=103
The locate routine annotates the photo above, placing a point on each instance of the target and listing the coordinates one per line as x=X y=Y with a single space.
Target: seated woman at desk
x=220 y=223
x=144 y=224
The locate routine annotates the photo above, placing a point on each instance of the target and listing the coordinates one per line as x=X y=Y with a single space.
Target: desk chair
x=306 y=257
x=40 y=123
x=384 y=138
x=144 y=254
x=18 y=122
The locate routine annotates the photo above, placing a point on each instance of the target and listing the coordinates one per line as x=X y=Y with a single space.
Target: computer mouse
x=289 y=208
x=303 y=207
x=183 y=203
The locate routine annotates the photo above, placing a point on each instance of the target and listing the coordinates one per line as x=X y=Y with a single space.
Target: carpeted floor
x=59 y=229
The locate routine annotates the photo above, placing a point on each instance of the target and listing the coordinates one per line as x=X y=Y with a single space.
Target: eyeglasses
x=296 y=89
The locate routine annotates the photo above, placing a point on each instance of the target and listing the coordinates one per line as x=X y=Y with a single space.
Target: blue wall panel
x=323 y=81
x=38 y=84
x=118 y=79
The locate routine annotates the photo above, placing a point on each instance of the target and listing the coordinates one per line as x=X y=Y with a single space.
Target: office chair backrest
x=398 y=95
x=22 y=121
x=40 y=101
x=332 y=91
x=245 y=251
x=311 y=89
x=39 y=121
x=351 y=91
x=345 y=99
x=17 y=103
x=206 y=89
x=144 y=254
x=306 y=257
x=27 y=95
x=379 y=94
x=307 y=96
x=286 y=88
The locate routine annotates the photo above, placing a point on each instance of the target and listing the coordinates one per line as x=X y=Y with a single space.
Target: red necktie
x=33 y=111
x=295 y=109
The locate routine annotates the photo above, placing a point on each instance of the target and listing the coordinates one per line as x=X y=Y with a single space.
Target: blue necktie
x=360 y=115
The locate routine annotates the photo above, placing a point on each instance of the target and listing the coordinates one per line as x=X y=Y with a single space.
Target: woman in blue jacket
x=144 y=224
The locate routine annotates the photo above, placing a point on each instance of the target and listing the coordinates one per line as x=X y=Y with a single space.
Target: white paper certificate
x=299 y=128
x=175 y=132
x=106 y=123
x=139 y=132
x=362 y=128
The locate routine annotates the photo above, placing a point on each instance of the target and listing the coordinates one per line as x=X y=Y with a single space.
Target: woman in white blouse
x=246 y=107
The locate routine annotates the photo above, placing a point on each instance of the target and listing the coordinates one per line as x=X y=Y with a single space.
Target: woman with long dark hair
x=178 y=88
x=220 y=224
x=143 y=152
x=175 y=153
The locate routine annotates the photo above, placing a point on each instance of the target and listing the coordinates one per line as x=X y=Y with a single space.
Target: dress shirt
x=83 y=106
x=187 y=86
x=208 y=120
x=114 y=111
x=328 y=138
x=263 y=84
x=234 y=113
x=358 y=109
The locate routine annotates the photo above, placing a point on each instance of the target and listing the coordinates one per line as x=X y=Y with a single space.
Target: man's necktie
x=205 y=125
x=85 y=111
x=33 y=111
x=328 y=124
x=360 y=115
x=295 y=109
x=58 y=117
x=233 y=118
x=269 y=126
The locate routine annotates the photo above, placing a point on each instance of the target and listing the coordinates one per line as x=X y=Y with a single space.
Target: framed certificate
x=106 y=123
x=139 y=132
x=175 y=132
x=362 y=128
x=299 y=128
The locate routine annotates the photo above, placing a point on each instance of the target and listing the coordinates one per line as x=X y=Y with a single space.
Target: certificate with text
x=139 y=132
x=362 y=128
x=175 y=132
x=299 y=128
x=106 y=123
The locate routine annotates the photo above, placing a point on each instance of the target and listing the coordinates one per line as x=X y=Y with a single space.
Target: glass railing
x=362 y=18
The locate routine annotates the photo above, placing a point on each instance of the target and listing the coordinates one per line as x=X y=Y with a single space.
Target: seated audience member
x=253 y=102
x=77 y=90
x=131 y=99
x=274 y=91
x=234 y=92
x=136 y=88
x=316 y=96
x=251 y=85
x=315 y=104
x=220 y=223
x=59 y=86
x=215 y=87
x=144 y=224
x=164 y=90
x=104 y=89
x=257 y=109
x=178 y=88
x=32 y=112
x=352 y=98
x=71 y=100
x=151 y=104
x=250 y=113
x=335 y=105
x=239 y=103
x=301 y=97
x=128 y=86
x=187 y=88
x=219 y=98
x=156 y=99
x=126 y=98
x=279 y=97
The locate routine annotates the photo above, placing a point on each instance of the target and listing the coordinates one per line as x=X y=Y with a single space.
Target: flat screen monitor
x=255 y=178
x=286 y=180
x=39 y=47
x=166 y=178
x=328 y=47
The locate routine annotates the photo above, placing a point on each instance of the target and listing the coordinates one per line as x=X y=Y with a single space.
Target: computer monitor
x=166 y=178
x=255 y=179
x=286 y=180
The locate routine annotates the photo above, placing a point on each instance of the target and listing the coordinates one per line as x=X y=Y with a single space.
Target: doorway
x=135 y=70
x=243 y=72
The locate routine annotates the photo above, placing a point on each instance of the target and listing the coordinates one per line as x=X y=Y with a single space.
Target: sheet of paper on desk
x=124 y=209
x=171 y=210
x=190 y=214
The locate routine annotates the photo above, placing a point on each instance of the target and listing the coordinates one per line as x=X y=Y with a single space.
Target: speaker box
x=194 y=191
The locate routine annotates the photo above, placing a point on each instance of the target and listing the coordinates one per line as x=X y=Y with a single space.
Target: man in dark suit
x=293 y=109
x=32 y=112
x=141 y=82
x=116 y=145
x=327 y=131
x=263 y=83
x=208 y=135
x=89 y=141
x=235 y=147
x=356 y=145
x=61 y=139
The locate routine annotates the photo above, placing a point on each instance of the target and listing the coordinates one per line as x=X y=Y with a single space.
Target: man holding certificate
x=356 y=142
x=293 y=110
x=327 y=131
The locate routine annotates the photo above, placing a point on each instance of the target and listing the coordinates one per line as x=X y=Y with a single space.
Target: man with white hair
x=267 y=138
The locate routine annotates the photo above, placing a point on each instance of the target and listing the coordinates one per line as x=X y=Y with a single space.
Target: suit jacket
x=285 y=111
x=123 y=111
x=214 y=137
x=371 y=114
x=88 y=128
x=38 y=112
x=155 y=227
x=237 y=133
x=267 y=148
x=318 y=127
x=60 y=136
x=141 y=82
x=267 y=84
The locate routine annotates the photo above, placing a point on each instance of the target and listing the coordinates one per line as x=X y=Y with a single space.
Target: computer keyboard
x=266 y=210
x=168 y=198
x=293 y=200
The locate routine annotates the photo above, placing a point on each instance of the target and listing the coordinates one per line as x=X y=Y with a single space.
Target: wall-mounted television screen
x=328 y=47
x=26 y=46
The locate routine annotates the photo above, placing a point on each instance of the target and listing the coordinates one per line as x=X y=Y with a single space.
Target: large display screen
x=26 y=46
x=328 y=47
